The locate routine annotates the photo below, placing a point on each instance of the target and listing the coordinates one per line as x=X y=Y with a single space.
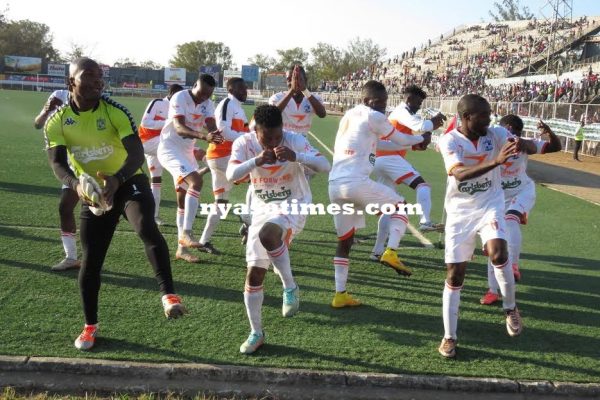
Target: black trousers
x=577 y=148
x=133 y=200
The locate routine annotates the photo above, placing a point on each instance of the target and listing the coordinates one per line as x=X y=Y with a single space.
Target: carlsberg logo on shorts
x=511 y=184
x=474 y=187
x=273 y=195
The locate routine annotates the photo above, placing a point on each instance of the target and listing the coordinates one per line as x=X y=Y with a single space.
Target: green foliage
x=289 y=57
x=510 y=10
x=263 y=61
x=26 y=38
x=192 y=55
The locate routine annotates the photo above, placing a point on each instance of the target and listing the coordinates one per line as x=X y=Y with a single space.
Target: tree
x=76 y=51
x=362 y=53
x=149 y=64
x=192 y=55
x=27 y=38
x=125 y=63
x=263 y=61
x=289 y=57
x=510 y=10
x=327 y=63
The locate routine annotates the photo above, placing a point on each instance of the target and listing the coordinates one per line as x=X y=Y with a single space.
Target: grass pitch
x=397 y=330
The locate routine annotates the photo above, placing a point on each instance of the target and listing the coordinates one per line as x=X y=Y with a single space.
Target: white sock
x=69 y=244
x=212 y=221
x=341 y=266
x=514 y=239
x=398 y=224
x=383 y=230
x=191 y=208
x=280 y=258
x=156 y=194
x=180 y=218
x=424 y=199
x=492 y=282
x=506 y=282
x=450 y=303
x=253 y=299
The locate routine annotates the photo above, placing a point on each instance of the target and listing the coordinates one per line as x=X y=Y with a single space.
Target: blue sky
x=115 y=29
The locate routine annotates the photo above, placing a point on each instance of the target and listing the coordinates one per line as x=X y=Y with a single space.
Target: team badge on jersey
x=69 y=121
x=100 y=124
x=307 y=108
x=487 y=144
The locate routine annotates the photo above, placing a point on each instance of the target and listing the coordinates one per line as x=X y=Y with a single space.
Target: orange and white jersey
x=356 y=142
x=297 y=117
x=232 y=121
x=281 y=181
x=154 y=119
x=483 y=192
x=514 y=171
x=405 y=121
x=196 y=115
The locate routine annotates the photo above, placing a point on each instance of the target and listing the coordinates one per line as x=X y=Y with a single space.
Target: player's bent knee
x=416 y=182
x=270 y=235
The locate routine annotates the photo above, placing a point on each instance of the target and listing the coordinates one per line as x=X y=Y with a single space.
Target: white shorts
x=394 y=170
x=256 y=254
x=360 y=193
x=178 y=162
x=150 y=149
x=220 y=185
x=461 y=233
x=521 y=201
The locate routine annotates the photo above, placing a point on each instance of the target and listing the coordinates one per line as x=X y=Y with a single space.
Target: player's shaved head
x=232 y=82
x=80 y=64
x=471 y=104
x=513 y=123
x=474 y=112
x=174 y=88
x=375 y=96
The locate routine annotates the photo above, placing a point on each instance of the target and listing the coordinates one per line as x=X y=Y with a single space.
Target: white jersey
x=477 y=194
x=410 y=120
x=514 y=171
x=62 y=95
x=356 y=142
x=274 y=183
x=296 y=117
x=154 y=119
x=196 y=115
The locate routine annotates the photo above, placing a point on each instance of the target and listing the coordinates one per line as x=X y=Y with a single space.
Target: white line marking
x=414 y=231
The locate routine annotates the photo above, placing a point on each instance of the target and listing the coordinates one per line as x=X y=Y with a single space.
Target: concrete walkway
x=78 y=376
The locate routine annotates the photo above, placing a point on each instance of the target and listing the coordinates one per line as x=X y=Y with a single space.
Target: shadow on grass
x=25 y=189
x=19 y=234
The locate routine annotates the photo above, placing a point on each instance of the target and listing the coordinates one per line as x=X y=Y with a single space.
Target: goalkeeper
x=100 y=138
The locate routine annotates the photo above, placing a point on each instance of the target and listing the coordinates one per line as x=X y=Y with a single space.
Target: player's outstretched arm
x=50 y=106
x=554 y=145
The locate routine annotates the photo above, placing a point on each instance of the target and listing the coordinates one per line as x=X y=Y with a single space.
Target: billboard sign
x=57 y=69
x=23 y=65
x=250 y=73
x=214 y=70
x=230 y=73
x=175 y=75
x=275 y=81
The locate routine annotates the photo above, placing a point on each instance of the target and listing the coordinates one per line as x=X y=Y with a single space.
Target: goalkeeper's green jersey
x=93 y=137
